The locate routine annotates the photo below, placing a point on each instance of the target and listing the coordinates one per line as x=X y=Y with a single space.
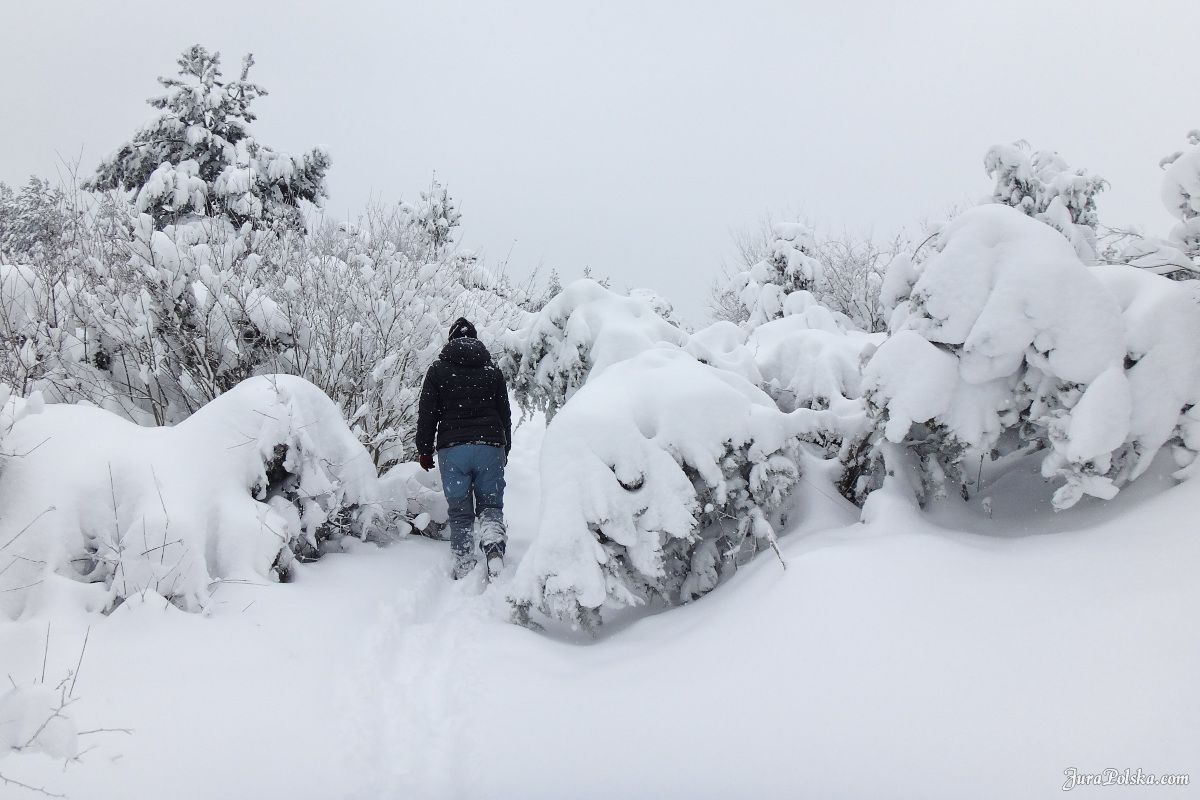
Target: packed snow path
x=897 y=659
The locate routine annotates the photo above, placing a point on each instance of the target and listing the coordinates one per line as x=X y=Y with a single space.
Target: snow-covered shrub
x=661 y=305
x=1042 y=185
x=586 y=327
x=29 y=336
x=656 y=477
x=1160 y=320
x=807 y=360
x=844 y=273
x=184 y=318
x=264 y=473
x=1181 y=196
x=197 y=157
x=671 y=456
x=1006 y=340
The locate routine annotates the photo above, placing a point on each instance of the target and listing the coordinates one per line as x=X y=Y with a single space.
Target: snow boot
x=463 y=564
x=495 y=563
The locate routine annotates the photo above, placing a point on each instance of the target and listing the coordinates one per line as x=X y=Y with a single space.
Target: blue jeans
x=473 y=482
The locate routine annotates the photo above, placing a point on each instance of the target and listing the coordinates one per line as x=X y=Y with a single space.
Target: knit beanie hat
x=462 y=327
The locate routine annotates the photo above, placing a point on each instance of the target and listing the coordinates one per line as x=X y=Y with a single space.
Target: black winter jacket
x=464 y=398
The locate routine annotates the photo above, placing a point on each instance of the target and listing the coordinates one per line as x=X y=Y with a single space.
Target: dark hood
x=466 y=352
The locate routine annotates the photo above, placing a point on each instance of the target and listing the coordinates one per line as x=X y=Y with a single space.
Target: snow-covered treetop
x=197 y=157
x=435 y=217
x=1042 y=185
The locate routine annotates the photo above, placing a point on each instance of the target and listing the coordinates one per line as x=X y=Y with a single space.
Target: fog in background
x=631 y=137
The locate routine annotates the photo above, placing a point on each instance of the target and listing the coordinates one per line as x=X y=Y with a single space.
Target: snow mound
x=264 y=473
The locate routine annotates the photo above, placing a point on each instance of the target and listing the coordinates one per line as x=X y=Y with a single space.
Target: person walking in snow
x=465 y=400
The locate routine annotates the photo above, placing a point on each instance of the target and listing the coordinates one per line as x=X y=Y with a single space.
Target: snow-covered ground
x=941 y=655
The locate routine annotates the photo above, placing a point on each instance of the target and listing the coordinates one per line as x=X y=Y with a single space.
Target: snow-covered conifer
x=434 y=219
x=1042 y=185
x=790 y=265
x=198 y=158
x=33 y=223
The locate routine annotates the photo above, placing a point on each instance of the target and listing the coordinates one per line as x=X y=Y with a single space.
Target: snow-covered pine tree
x=790 y=265
x=434 y=219
x=198 y=158
x=33 y=223
x=1041 y=185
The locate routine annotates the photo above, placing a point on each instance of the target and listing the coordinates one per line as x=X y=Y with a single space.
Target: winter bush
x=1176 y=256
x=1007 y=340
x=266 y=473
x=1181 y=194
x=657 y=476
x=844 y=273
x=585 y=327
x=669 y=457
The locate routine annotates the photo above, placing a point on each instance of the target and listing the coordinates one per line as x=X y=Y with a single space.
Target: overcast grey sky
x=630 y=137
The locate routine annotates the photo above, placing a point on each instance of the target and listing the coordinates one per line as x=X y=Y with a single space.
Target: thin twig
x=80 y=664
x=19 y=588
x=27 y=527
x=112 y=486
x=775 y=547
x=46 y=652
x=30 y=450
x=11 y=782
x=106 y=730
x=56 y=714
x=166 y=516
x=162 y=547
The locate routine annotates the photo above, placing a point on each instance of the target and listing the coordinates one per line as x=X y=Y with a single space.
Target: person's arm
x=505 y=412
x=429 y=413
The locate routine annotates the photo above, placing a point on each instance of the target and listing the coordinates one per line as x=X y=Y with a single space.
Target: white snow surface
x=940 y=655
